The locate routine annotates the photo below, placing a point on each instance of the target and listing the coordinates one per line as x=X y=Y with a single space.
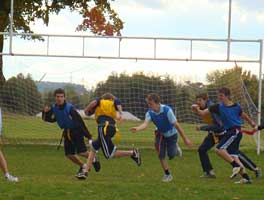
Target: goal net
x=21 y=102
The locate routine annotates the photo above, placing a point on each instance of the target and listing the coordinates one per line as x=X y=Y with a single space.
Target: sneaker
x=244 y=181
x=136 y=156
x=235 y=171
x=82 y=175
x=11 y=178
x=211 y=174
x=178 y=150
x=96 y=163
x=258 y=172
x=167 y=178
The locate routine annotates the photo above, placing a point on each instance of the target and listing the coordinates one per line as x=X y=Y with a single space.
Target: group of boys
x=223 y=125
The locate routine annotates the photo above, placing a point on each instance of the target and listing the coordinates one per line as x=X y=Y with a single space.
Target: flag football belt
x=65 y=133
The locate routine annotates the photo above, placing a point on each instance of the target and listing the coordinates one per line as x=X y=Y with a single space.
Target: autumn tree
x=98 y=17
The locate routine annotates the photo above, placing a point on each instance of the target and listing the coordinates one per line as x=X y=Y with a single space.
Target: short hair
x=203 y=96
x=153 y=97
x=226 y=91
x=59 y=91
x=108 y=96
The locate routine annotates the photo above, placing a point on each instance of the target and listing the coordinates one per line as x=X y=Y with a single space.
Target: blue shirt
x=168 y=119
x=230 y=115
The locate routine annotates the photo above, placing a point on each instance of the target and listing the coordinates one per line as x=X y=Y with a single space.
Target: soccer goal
x=21 y=104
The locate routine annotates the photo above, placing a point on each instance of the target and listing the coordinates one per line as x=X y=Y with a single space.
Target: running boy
x=166 y=133
x=74 y=130
x=105 y=110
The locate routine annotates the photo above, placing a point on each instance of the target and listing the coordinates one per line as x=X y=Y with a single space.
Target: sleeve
x=147 y=117
x=171 y=116
x=117 y=102
x=76 y=117
x=214 y=109
x=48 y=116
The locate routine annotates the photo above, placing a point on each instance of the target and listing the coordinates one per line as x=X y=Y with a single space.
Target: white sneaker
x=11 y=178
x=178 y=150
x=167 y=178
x=243 y=181
x=235 y=171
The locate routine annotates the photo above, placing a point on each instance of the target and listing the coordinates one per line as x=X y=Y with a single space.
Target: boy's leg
x=160 y=145
x=3 y=163
x=207 y=144
x=249 y=164
x=228 y=146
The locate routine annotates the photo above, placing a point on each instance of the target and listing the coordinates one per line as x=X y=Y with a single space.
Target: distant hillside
x=47 y=86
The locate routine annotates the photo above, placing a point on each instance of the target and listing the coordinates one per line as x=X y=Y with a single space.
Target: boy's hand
x=46 y=108
x=195 y=107
x=133 y=129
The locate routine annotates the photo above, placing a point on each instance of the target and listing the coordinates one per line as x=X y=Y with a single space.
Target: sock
x=245 y=176
x=84 y=166
x=167 y=172
x=234 y=164
x=7 y=174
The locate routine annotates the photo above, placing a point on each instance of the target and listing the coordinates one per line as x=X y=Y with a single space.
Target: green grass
x=45 y=173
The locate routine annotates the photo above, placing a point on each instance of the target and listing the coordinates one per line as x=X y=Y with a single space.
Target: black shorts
x=74 y=142
x=104 y=140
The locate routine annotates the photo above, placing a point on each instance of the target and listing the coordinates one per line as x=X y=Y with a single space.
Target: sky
x=144 y=18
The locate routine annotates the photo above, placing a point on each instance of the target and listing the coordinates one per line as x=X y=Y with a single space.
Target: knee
x=218 y=151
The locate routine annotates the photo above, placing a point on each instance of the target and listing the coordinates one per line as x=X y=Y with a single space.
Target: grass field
x=46 y=174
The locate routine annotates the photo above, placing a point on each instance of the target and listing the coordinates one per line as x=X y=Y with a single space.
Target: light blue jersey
x=164 y=120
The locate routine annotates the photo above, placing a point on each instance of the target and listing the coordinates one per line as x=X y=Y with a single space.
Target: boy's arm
x=140 y=127
x=213 y=127
x=120 y=111
x=197 y=109
x=76 y=117
x=248 y=119
x=182 y=133
x=90 y=108
x=48 y=115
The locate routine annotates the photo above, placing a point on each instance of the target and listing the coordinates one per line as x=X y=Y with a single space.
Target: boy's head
x=153 y=101
x=201 y=100
x=59 y=95
x=224 y=94
x=108 y=96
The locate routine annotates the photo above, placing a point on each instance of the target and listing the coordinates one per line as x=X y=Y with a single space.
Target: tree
x=20 y=95
x=98 y=16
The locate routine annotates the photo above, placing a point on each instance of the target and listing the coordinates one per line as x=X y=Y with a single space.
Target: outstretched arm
x=140 y=127
x=248 y=119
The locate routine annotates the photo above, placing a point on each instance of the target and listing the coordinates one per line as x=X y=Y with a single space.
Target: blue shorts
x=231 y=141
x=163 y=144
